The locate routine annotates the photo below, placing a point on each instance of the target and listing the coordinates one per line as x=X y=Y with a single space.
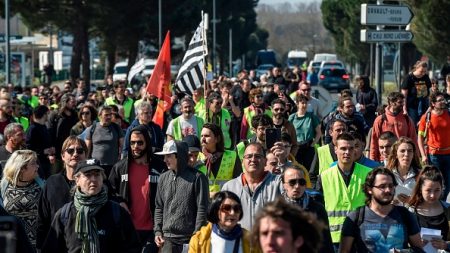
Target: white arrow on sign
x=386 y=36
x=372 y=14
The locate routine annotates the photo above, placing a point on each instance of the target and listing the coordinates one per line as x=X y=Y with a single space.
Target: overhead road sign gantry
x=386 y=36
x=372 y=14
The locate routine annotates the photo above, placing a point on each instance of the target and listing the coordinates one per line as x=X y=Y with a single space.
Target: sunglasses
x=226 y=208
x=294 y=182
x=71 y=151
x=139 y=143
x=85 y=113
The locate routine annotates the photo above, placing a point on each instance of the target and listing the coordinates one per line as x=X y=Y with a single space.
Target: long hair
x=429 y=172
x=16 y=162
x=217 y=131
x=393 y=162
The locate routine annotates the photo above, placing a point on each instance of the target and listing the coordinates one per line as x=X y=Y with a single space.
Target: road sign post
x=379 y=15
x=386 y=36
x=372 y=14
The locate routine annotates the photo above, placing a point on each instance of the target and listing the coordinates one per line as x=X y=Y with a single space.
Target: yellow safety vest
x=249 y=116
x=127 y=107
x=200 y=107
x=177 y=135
x=325 y=158
x=225 y=172
x=340 y=199
x=225 y=123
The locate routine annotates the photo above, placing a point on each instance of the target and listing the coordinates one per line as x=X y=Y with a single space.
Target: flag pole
x=205 y=65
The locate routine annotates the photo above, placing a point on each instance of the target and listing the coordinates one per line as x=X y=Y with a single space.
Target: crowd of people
x=244 y=165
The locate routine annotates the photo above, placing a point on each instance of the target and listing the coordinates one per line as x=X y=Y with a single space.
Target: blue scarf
x=234 y=234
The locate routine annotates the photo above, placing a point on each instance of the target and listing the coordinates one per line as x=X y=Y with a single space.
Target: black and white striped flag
x=190 y=76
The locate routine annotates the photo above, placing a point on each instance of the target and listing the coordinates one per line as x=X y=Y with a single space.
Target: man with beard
x=392 y=120
x=341 y=185
x=434 y=140
x=14 y=140
x=279 y=121
x=218 y=116
x=379 y=226
x=185 y=124
x=134 y=181
x=354 y=121
x=294 y=185
x=5 y=114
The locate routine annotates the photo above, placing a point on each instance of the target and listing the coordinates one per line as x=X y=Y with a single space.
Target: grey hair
x=143 y=105
x=10 y=129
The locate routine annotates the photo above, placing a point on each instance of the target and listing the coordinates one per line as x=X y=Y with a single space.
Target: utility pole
x=8 y=49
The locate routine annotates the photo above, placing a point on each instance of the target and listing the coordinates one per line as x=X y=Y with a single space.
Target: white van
x=325 y=57
x=149 y=66
x=296 y=58
x=120 y=71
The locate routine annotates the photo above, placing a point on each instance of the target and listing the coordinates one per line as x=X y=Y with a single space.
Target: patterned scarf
x=210 y=159
x=301 y=202
x=85 y=224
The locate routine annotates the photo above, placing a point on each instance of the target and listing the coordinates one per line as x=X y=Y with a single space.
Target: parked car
x=332 y=64
x=334 y=79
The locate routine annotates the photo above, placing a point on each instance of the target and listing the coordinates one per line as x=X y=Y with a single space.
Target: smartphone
x=272 y=135
x=8 y=230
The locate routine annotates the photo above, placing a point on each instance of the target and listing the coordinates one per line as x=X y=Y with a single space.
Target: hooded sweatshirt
x=119 y=174
x=181 y=200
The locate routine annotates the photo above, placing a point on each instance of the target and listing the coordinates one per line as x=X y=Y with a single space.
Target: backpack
x=384 y=118
x=65 y=210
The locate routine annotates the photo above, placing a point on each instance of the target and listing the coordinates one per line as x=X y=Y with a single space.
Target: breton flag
x=137 y=67
x=190 y=76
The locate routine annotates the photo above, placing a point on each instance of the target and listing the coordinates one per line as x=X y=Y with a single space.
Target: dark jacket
x=59 y=126
x=181 y=200
x=120 y=237
x=54 y=195
x=23 y=244
x=119 y=174
x=155 y=132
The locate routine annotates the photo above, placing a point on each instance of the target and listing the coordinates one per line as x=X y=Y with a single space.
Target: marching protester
x=91 y=222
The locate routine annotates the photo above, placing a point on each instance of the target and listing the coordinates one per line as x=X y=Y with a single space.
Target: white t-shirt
x=188 y=127
x=220 y=245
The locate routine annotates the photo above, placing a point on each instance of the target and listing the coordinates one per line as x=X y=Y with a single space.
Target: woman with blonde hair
x=20 y=189
x=404 y=162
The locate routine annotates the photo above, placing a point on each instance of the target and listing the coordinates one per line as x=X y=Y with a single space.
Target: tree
x=430 y=27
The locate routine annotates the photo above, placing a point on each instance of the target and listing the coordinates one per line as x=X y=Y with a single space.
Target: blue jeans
x=443 y=164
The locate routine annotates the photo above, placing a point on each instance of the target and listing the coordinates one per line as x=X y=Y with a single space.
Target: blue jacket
x=156 y=136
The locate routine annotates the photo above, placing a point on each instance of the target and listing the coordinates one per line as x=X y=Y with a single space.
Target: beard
x=383 y=202
x=138 y=154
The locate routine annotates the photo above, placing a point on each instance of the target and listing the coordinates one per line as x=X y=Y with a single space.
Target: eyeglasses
x=278 y=109
x=384 y=186
x=71 y=151
x=139 y=143
x=294 y=182
x=85 y=113
x=226 y=208
x=256 y=156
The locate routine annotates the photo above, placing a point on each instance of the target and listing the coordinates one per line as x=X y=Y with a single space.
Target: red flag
x=159 y=82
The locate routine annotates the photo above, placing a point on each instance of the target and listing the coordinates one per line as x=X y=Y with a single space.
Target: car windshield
x=120 y=70
x=333 y=72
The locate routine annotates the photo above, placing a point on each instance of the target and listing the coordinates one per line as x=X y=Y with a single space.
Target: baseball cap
x=169 y=148
x=88 y=165
x=193 y=143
